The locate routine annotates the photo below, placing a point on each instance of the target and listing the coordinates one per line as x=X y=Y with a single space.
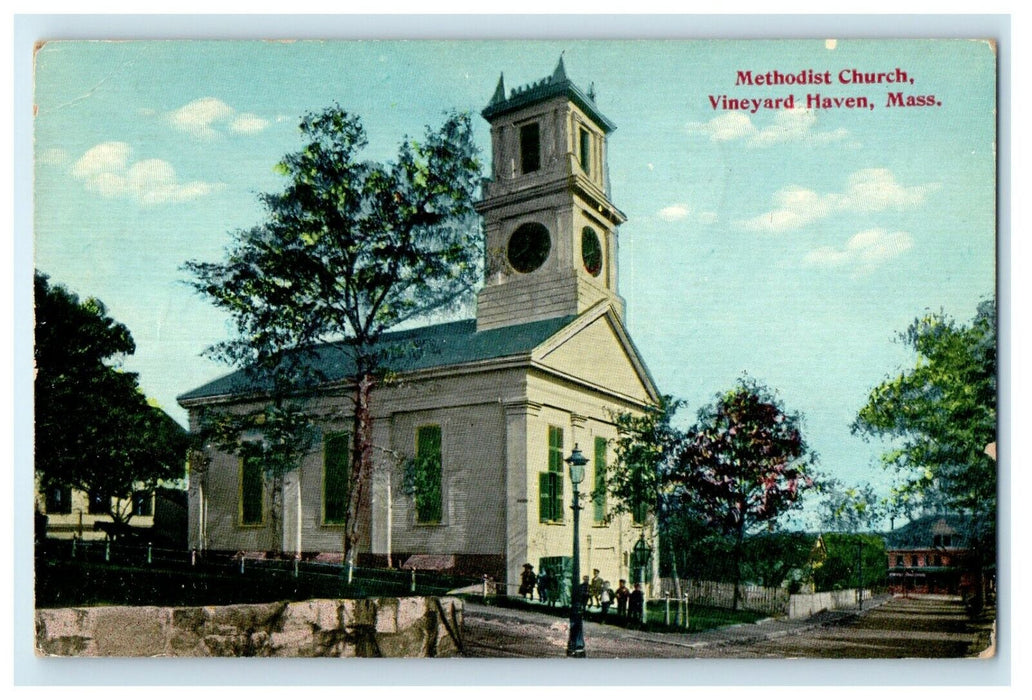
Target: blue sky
x=792 y=245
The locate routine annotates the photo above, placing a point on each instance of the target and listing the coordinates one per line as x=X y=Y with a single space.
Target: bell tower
x=550 y=229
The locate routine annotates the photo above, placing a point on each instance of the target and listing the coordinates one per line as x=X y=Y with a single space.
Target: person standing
x=605 y=598
x=622 y=594
x=544 y=581
x=636 y=602
x=595 y=589
x=527 y=581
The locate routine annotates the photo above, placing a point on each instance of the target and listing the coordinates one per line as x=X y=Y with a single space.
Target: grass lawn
x=77 y=583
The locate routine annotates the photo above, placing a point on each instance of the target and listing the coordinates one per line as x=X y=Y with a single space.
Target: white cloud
x=248 y=124
x=729 y=126
x=789 y=125
x=205 y=117
x=674 y=212
x=107 y=170
x=863 y=252
x=105 y=157
x=679 y=212
x=869 y=190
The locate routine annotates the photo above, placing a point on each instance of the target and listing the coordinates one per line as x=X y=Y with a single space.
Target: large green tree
x=646 y=444
x=349 y=249
x=743 y=464
x=940 y=416
x=95 y=430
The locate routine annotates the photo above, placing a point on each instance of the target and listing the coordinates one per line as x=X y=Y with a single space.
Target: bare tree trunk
x=361 y=463
x=739 y=539
x=276 y=513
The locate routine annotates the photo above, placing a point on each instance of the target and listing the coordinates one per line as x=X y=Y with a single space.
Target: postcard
x=522 y=349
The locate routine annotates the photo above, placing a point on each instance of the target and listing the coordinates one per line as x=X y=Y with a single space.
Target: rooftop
x=439 y=345
x=556 y=85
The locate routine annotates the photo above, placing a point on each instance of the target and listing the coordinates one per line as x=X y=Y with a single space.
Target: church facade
x=494 y=404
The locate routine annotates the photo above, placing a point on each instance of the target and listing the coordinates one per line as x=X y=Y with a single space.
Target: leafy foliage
x=95 y=430
x=742 y=465
x=942 y=413
x=645 y=447
x=349 y=249
x=848 y=560
x=771 y=558
x=745 y=462
x=941 y=417
x=423 y=483
x=850 y=508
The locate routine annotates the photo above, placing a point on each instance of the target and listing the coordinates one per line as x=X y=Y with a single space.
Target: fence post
x=242 y=560
x=485 y=586
x=296 y=563
x=149 y=546
x=413 y=580
x=107 y=550
x=666 y=616
x=193 y=557
x=75 y=543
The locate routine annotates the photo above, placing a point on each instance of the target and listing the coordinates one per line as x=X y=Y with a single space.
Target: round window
x=591 y=251
x=528 y=247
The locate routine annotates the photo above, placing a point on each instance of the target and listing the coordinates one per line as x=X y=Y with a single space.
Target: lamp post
x=575 y=646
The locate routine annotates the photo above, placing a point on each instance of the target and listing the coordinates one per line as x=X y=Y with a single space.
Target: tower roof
x=556 y=85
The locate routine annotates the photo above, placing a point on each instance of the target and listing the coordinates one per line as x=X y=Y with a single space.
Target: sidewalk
x=510 y=632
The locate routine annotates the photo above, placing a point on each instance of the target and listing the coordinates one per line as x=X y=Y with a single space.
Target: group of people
x=594 y=591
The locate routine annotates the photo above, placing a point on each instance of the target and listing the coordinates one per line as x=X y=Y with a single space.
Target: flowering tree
x=742 y=465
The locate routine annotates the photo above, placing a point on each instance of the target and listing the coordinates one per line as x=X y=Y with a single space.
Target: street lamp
x=575 y=646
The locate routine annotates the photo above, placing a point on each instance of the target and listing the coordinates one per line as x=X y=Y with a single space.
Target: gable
x=600 y=355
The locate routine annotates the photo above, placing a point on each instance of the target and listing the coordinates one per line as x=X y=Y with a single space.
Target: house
x=159 y=514
x=931 y=555
x=495 y=403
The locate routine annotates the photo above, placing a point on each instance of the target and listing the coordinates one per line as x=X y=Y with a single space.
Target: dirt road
x=897 y=628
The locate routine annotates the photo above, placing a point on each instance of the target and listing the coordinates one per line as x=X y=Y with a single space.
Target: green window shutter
x=640 y=509
x=545 y=497
x=555 y=449
x=336 y=465
x=599 y=500
x=557 y=496
x=428 y=466
x=252 y=490
x=550 y=483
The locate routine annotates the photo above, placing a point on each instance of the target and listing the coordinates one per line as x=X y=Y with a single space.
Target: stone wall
x=389 y=627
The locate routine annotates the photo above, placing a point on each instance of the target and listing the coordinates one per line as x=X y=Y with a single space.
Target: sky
x=790 y=244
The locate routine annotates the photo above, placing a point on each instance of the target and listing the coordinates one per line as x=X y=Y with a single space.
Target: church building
x=495 y=404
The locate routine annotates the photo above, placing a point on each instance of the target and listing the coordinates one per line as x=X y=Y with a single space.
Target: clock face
x=528 y=247
x=591 y=251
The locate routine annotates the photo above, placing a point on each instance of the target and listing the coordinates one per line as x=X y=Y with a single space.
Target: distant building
x=158 y=514
x=931 y=555
x=495 y=403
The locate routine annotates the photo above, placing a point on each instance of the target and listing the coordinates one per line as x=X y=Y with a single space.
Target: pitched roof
x=556 y=85
x=439 y=345
x=920 y=533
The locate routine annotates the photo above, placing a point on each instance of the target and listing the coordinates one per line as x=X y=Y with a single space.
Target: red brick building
x=931 y=555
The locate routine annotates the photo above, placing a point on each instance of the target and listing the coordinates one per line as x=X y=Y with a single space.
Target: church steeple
x=551 y=231
x=559 y=74
x=499 y=93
